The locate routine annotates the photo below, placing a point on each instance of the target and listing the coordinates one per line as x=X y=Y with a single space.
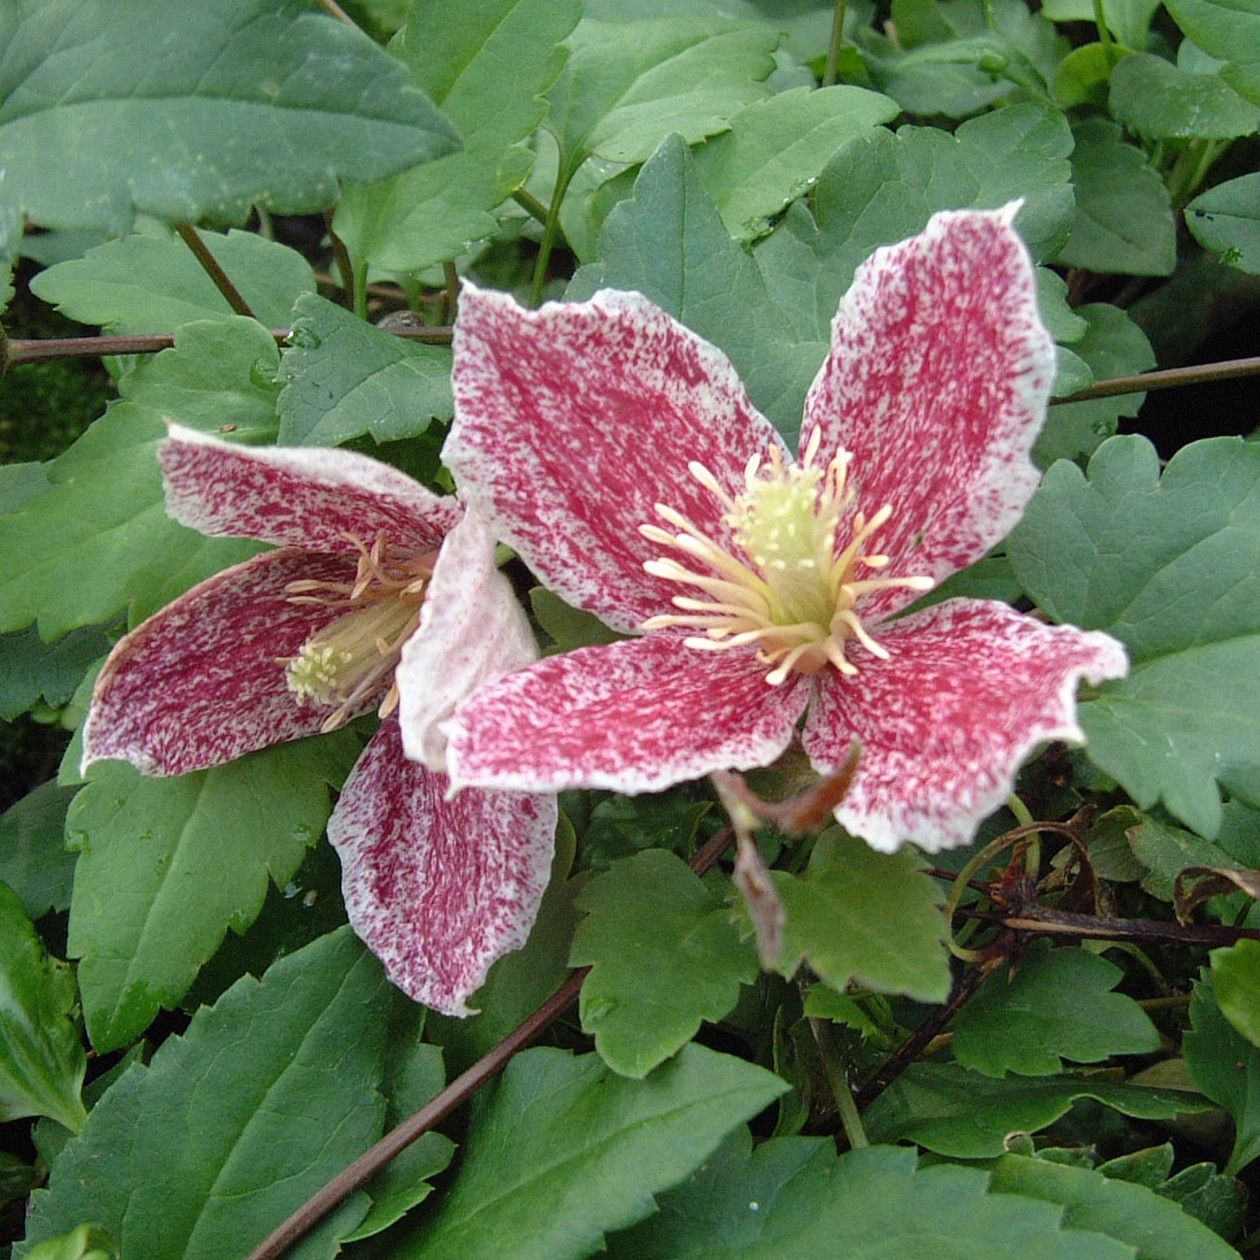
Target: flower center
x=353 y=658
x=793 y=592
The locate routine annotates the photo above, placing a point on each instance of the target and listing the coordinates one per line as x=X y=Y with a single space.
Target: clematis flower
x=618 y=453
x=378 y=594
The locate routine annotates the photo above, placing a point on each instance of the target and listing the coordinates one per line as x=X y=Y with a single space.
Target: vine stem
x=345 y=268
x=551 y=228
x=458 y=1092
x=841 y=1091
x=210 y=265
x=833 y=45
x=1167 y=378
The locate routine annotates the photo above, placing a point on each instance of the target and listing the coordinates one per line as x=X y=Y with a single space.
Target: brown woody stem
x=210 y=265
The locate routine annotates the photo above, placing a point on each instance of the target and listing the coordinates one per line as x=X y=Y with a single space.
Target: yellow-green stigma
x=793 y=593
x=352 y=659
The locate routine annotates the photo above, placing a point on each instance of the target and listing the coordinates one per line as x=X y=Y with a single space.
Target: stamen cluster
x=790 y=589
x=348 y=661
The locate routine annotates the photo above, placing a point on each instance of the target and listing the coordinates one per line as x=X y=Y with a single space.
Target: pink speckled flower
x=618 y=453
x=379 y=594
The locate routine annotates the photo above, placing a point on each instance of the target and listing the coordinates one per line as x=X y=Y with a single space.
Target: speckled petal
x=438 y=889
x=201 y=682
x=297 y=497
x=573 y=421
x=471 y=626
x=972 y=687
x=937 y=382
x=635 y=716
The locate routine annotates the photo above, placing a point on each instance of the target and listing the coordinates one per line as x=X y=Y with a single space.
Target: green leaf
x=166 y=866
x=859 y=915
x=1122 y=1210
x=42 y=1063
x=1236 y=982
x=1178 y=587
x=628 y=85
x=486 y=62
x=32 y=671
x=776 y=148
x=669 y=243
x=1218 y=1201
x=1057 y=1006
x=232 y=1126
x=34 y=860
x=568 y=627
x=792 y=1199
x=1112 y=345
x=88 y=1242
x=664 y=956
x=1226 y=1067
x=563 y=1150
x=99 y=541
x=145 y=284
x=1128 y=20
x=414 y=1075
x=1124 y=219
x=344 y=378
x=256 y=101
x=1084 y=75
x=1166 y=851
x=1226 y=220
x=885 y=187
x=621 y=826
x=955 y=1112
x=1230 y=31
x=1159 y=101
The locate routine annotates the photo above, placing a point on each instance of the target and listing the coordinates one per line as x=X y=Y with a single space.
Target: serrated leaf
x=256 y=101
x=344 y=378
x=669 y=243
x=1220 y=1202
x=859 y=915
x=1178 y=587
x=1124 y=219
x=145 y=284
x=99 y=541
x=959 y=1113
x=1058 y=1005
x=793 y=1199
x=1165 y=851
x=1230 y=31
x=776 y=148
x=1084 y=75
x=1159 y=101
x=414 y=1075
x=1236 y=984
x=32 y=671
x=1156 y=1228
x=621 y=826
x=1129 y=20
x=235 y=1124
x=166 y=866
x=564 y=1150
x=1226 y=220
x=1112 y=345
x=34 y=860
x=1226 y=1067
x=628 y=85
x=885 y=187
x=42 y=1063
x=486 y=62
x=664 y=956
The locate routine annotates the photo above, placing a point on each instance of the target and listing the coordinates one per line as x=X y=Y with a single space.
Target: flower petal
x=971 y=688
x=200 y=682
x=296 y=497
x=574 y=421
x=471 y=626
x=438 y=889
x=937 y=382
x=635 y=716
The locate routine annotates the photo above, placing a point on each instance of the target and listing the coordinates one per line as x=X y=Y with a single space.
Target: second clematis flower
x=618 y=453
x=381 y=595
